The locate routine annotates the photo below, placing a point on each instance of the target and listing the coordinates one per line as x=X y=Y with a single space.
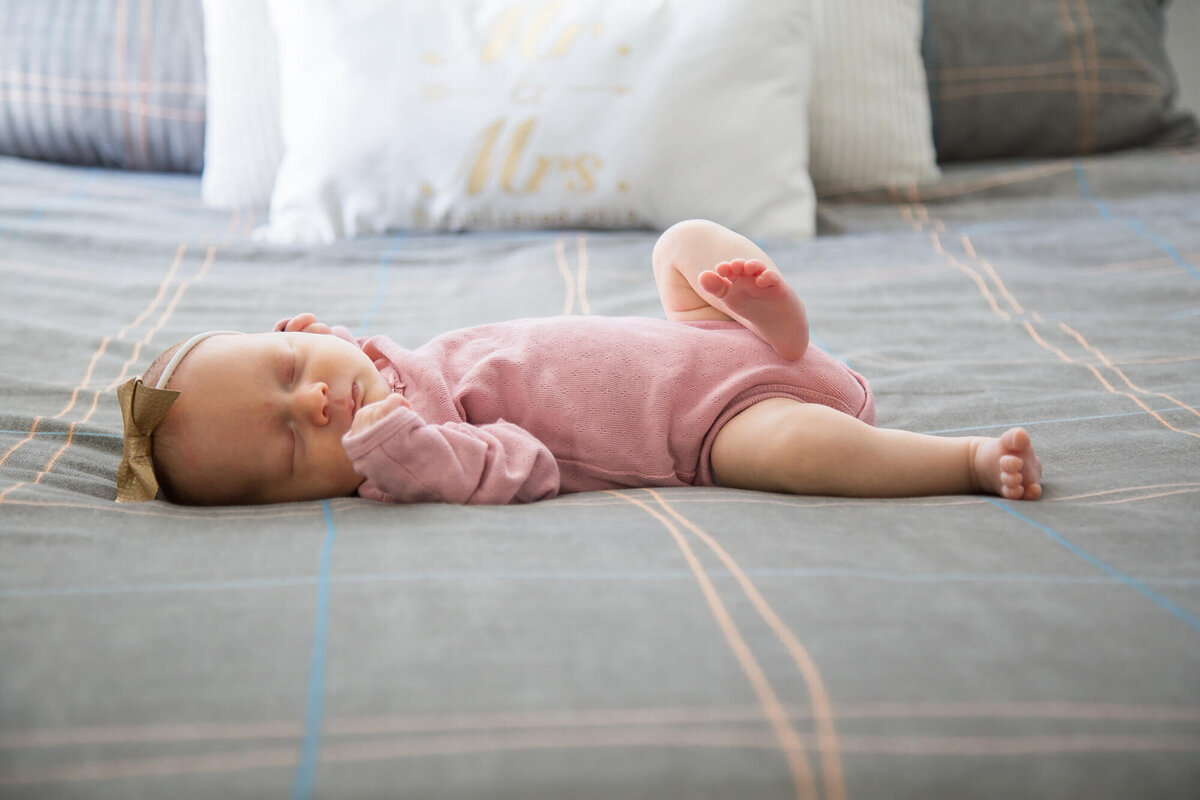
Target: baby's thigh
x=784 y=445
x=754 y=449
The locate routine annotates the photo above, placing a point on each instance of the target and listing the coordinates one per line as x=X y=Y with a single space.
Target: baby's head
x=259 y=417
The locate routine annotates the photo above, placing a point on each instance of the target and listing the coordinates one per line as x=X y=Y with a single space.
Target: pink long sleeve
x=406 y=460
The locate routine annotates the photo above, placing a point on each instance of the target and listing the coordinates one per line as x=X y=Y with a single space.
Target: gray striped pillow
x=111 y=83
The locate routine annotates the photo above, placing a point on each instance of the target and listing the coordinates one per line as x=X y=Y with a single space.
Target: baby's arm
x=411 y=462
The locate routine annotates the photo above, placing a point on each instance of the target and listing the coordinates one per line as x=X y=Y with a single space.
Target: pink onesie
x=525 y=410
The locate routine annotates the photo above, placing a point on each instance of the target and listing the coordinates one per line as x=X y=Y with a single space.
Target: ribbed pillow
x=109 y=83
x=869 y=111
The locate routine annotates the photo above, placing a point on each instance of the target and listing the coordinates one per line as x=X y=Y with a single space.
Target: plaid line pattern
x=684 y=643
x=1049 y=78
x=112 y=83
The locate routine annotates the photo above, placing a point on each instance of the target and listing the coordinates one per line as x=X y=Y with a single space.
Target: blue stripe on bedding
x=1086 y=190
x=1162 y=244
x=94 y=435
x=381 y=283
x=310 y=747
x=1087 y=418
x=573 y=576
x=1128 y=580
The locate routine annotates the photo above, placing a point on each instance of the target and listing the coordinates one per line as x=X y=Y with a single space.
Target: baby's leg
x=783 y=445
x=705 y=271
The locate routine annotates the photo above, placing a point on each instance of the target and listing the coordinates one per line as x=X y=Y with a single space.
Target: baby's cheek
x=344 y=476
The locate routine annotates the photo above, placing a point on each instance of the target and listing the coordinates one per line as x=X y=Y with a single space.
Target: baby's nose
x=312 y=403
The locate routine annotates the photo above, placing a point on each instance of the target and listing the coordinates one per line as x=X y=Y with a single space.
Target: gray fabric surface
x=113 y=83
x=686 y=643
x=1041 y=78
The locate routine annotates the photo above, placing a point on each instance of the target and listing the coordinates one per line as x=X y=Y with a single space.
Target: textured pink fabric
x=524 y=410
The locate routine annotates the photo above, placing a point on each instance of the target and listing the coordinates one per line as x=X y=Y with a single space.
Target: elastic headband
x=183 y=350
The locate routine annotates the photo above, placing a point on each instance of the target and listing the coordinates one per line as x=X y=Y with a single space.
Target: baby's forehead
x=222 y=371
x=226 y=352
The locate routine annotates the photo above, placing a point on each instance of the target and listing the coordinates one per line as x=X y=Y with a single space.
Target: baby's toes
x=714 y=283
x=1016 y=439
x=1033 y=468
x=1011 y=463
x=1033 y=491
x=768 y=279
x=752 y=267
x=728 y=269
x=1012 y=492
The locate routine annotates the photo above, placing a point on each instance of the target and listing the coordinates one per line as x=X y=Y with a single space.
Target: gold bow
x=142 y=409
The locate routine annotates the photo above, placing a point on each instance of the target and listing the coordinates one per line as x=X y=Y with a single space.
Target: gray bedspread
x=690 y=643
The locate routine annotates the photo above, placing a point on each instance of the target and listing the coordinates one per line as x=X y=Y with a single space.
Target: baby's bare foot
x=762 y=299
x=1008 y=466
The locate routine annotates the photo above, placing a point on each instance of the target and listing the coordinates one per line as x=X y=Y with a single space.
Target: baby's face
x=261 y=417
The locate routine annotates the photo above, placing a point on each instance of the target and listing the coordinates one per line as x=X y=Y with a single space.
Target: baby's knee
x=680 y=237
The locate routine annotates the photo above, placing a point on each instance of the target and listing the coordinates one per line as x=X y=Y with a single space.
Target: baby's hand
x=371 y=413
x=302 y=323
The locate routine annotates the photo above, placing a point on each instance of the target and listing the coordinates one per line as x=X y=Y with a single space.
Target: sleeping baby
x=727 y=391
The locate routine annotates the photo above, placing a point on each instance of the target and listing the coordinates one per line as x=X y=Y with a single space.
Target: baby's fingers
x=300 y=322
x=305 y=323
x=371 y=413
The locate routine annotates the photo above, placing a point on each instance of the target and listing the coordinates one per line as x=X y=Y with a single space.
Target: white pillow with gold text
x=494 y=114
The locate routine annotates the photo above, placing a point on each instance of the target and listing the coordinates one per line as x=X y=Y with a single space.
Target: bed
x=636 y=643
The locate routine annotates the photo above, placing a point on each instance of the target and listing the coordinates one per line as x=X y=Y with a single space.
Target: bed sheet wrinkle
x=698 y=642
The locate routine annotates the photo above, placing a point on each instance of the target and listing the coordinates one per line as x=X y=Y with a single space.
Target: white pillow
x=869 y=109
x=242 y=141
x=869 y=118
x=492 y=114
